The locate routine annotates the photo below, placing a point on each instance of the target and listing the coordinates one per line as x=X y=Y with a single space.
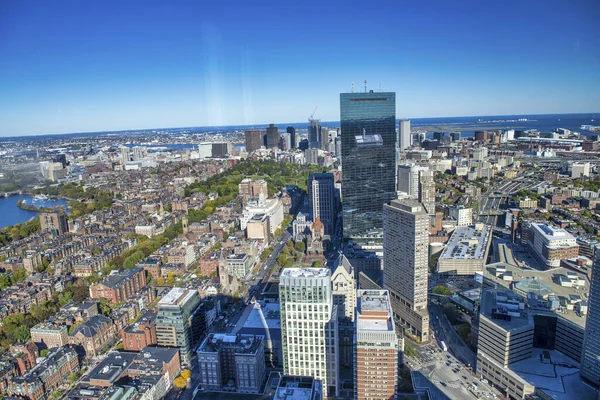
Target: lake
x=10 y=214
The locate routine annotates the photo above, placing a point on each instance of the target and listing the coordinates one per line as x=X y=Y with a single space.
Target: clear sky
x=108 y=65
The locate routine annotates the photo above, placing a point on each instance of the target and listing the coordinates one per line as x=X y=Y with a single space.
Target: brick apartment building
x=141 y=334
x=120 y=286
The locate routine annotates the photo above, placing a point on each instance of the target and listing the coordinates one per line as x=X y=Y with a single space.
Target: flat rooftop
x=468 y=242
x=306 y=272
x=176 y=296
x=556 y=374
x=549 y=285
x=298 y=388
x=552 y=233
x=492 y=305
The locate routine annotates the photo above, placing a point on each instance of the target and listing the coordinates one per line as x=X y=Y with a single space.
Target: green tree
x=300 y=246
x=317 y=264
x=44 y=353
x=282 y=259
x=4 y=281
x=442 y=290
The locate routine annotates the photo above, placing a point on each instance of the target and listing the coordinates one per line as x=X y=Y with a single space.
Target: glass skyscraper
x=368 y=122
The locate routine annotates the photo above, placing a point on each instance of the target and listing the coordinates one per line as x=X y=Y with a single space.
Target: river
x=10 y=214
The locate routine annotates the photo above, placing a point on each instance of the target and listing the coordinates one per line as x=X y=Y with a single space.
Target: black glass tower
x=292 y=131
x=368 y=122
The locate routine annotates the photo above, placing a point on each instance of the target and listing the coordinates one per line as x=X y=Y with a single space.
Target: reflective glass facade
x=368 y=130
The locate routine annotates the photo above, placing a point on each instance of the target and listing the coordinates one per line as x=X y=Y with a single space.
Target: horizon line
x=275 y=123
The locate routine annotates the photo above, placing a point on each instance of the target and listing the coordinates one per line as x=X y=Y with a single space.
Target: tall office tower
x=590 y=359
x=427 y=191
x=125 y=154
x=344 y=288
x=376 y=360
x=223 y=149
x=272 y=137
x=292 y=131
x=309 y=331
x=368 y=122
x=284 y=142
x=324 y=138
x=55 y=222
x=314 y=134
x=404 y=141
x=321 y=200
x=205 y=150
x=406 y=251
x=177 y=323
x=408 y=179
x=455 y=136
x=254 y=139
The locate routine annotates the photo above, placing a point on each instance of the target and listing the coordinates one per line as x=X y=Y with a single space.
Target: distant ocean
x=466 y=125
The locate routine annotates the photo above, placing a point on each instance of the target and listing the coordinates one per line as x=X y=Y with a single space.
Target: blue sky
x=88 y=66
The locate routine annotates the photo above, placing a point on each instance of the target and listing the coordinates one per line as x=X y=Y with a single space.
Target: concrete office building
x=408 y=179
x=322 y=200
x=368 y=131
x=376 y=360
x=427 y=191
x=531 y=333
x=590 y=362
x=205 y=150
x=240 y=359
x=579 y=170
x=550 y=244
x=404 y=136
x=258 y=228
x=272 y=137
x=309 y=331
x=462 y=215
x=272 y=208
x=467 y=250
x=238 y=265
x=405 y=253
x=177 y=322
x=254 y=139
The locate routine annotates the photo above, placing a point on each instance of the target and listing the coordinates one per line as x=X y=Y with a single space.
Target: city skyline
x=81 y=68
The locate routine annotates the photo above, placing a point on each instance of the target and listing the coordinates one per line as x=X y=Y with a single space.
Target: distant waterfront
x=10 y=214
x=541 y=122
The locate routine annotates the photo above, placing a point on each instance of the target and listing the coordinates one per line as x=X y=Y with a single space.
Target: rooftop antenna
x=365 y=86
x=352 y=87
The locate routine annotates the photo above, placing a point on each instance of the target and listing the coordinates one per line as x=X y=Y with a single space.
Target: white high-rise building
x=406 y=258
x=462 y=215
x=124 y=154
x=205 y=150
x=344 y=288
x=309 y=329
x=408 y=179
x=404 y=140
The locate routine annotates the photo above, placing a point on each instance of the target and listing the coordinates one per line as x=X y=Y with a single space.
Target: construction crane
x=313 y=113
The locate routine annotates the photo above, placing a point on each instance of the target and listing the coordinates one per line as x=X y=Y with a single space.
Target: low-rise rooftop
x=468 y=242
